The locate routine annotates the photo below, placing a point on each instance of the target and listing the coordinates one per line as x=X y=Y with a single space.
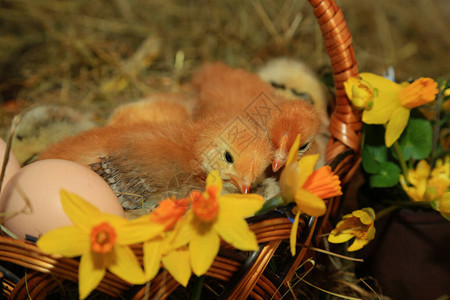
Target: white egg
x=13 y=165
x=30 y=203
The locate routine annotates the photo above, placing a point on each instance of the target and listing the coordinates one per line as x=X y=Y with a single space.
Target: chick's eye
x=303 y=95
x=228 y=157
x=303 y=148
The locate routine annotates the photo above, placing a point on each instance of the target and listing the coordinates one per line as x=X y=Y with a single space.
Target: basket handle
x=345 y=124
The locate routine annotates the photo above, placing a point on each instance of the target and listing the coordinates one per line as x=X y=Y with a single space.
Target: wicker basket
x=240 y=276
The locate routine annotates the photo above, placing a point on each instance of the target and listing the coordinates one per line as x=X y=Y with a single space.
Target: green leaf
x=416 y=140
x=374 y=151
x=388 y=175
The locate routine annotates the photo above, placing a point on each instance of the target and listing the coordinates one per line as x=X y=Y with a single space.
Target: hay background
x=75 y=52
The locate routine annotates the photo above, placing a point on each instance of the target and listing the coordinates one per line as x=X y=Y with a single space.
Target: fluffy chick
x=148 y=162
x=294 y=79
x=45 y=125
x=226 y=90
x=157 y=107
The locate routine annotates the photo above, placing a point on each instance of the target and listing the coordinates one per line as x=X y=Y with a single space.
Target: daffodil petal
x=240 y=205
x=306 y=165
x=293 y=152
x=370 y=233
x=385 y=101
x=81 y=212
x=309 y=203
x=202 y=250
x=363 y=216
x=183 y=232
x=214 y=178
x=289 y=181
x=152 y=257
x=378 y=81
x=236 y=232
x=293 y=236
x=137 y=232
x=126 y=265
x=357 y=244
x=178 y=264
x=396 y=125
x=339 y=238
x=89 y=275
x=67 y=241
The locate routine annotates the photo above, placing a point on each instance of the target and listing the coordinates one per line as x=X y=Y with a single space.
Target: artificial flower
x=174 y=258
x=426 y=184
x=391 y=102
x=102 y=240
x=358 y=224
x=214 y=216
x=300 y=183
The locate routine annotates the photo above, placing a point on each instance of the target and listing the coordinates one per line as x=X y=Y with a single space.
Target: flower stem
x=402 y=161
x=197 y=290
x=271 y=204
x=397 y=205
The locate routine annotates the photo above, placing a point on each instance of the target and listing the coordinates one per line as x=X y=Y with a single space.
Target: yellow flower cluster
x=430 y=185
x=183 y=240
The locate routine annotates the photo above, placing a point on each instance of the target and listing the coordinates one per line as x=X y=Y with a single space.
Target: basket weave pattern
x=246 y=277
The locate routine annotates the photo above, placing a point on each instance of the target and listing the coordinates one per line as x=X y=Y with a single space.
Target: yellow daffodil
x=426 y=184
x=358 y=224
x=175 y=258
x=390 y=103
x=214 y=216
x=300 y=183
x=102 y=240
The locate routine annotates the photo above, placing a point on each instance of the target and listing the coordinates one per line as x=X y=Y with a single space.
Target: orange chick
x=148 y=162
x=226 y=90
x=157 y=107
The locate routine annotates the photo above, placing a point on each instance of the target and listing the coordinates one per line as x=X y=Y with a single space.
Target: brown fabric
x=410 y=255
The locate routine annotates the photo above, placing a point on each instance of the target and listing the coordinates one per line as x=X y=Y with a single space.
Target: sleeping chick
x=148 y=162
x=294 y=79
x=226 y=90
x=45 y=125
x=157 y=107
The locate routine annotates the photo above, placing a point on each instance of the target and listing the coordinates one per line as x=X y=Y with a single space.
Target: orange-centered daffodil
x=102 y=240
x=300 y=183
x=214 y=216
x=386 y=102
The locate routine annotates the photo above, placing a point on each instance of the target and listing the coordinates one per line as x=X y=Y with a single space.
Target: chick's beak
x=243 y=185
x=280 y=156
